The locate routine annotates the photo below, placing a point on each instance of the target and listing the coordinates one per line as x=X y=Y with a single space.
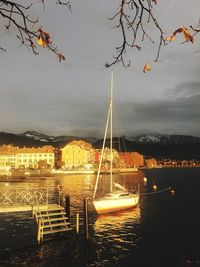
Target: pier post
x=85 y=212
x=77 y=223
x=39 y=231
x=67 y=207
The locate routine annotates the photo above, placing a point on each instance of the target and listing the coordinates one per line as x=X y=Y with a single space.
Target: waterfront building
x=77 y=154
x=26 y=158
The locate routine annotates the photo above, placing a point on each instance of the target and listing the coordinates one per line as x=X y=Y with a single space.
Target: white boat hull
x=107 y=204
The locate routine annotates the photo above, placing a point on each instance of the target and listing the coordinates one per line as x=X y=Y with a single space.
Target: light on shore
x=154 y=187
x=145 y=180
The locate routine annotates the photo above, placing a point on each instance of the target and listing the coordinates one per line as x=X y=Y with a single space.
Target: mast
x=109 y=120
x=102 y=150
x=111 y=134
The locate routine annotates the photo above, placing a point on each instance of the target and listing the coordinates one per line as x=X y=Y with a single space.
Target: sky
x=71 y=98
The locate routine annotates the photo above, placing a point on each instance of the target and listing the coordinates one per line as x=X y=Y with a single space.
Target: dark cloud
x=177 y=113
x=185 y=89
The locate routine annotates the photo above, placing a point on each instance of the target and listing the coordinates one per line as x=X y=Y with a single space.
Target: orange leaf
x=41 y=42
x=170 y=38
x=178 y=30
x=146 y=68
x=187 y=35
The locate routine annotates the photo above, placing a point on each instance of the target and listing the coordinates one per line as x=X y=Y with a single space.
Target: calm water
x=163 y=231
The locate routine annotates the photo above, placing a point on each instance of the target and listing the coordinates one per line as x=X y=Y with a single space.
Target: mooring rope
x=157 y=191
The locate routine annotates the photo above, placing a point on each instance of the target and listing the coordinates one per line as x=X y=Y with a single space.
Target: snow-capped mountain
x=37 y=136
x=148 y=138
x=54 y=139
x=164 y=139
x=149 y=145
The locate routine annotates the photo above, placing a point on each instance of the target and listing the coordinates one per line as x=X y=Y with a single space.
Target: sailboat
x=116 y=199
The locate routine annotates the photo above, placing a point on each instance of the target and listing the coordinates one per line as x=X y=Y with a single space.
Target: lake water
x=163 y=231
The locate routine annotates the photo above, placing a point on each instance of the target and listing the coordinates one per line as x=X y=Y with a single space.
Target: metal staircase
x=51 y=220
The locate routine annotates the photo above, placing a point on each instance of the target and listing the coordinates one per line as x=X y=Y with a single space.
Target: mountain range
x=158 y=146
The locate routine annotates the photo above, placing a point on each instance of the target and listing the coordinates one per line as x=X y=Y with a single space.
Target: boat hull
x=105 y=205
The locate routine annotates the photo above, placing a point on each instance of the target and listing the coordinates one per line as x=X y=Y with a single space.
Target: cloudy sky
x=70 y=98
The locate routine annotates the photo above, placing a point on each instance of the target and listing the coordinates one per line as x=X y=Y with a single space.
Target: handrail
x=29 y=196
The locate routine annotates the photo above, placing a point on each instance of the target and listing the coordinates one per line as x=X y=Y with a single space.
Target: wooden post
x=47 y=196
x=33 y=211
x=39 y=231
x=67 y=207
x=85 y=212
x=77 y=223
x=58 y=195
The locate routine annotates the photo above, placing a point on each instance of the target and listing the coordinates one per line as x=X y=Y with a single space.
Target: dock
x=26 y=208
x=44 y=204
x=20 y=199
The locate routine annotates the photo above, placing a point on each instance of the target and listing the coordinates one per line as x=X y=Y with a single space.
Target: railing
x=29 y=196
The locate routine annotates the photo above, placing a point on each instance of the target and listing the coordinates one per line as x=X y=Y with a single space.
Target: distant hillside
x=165 y=139
x=150 y=145
x=35 y=139
x=162 y=146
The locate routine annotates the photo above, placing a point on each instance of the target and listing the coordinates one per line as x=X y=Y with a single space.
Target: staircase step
x=54 y=225
x=51 y=209
x=54 y=219
x=50 y=214
x=55 y=231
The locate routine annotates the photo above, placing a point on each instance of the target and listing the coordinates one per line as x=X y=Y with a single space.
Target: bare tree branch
x=132 y=19
x=16 y=16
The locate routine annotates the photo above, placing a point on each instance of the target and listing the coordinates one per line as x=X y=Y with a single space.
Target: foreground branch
x=28 y=32
x=132 y=19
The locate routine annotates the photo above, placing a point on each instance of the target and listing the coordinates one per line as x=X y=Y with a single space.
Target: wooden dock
x=26 y=208
x=51 y=218
x=22 y=199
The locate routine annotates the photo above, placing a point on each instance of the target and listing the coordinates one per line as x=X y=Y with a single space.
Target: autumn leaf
x=178 y=30
x=47 y=38
x=41 y=42
x=44 y=38
x=170 y=38
x=146 y=68
x=187 y=35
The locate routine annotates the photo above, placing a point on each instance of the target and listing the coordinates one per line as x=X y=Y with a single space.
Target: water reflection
x=117 y=220
x=116 y=235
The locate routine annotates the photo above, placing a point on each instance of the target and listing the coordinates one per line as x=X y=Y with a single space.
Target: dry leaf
x=170 y=38
x=146 y=68
x=41 y=42
x=178 y=30
x=187 y=35
x=44 y=38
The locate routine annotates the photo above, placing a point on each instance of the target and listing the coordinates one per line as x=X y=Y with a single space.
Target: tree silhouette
x=17 y=16
x=132 y=17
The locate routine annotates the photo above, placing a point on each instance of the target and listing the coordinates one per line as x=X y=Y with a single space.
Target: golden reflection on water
x=117 y=220
x=118 y=231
